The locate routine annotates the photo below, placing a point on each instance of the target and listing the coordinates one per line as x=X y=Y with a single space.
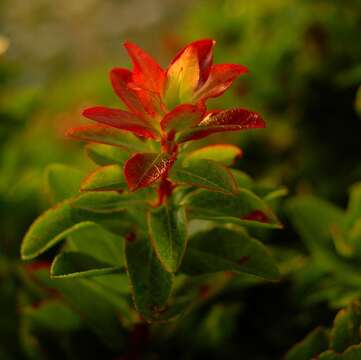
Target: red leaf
x=229 y=120
x=120 y=79
x=121 y=120
x=182 y=117
x=220 y=79
x=142 y=169
x=204 y=49
x=101 y=134
x=147 y=73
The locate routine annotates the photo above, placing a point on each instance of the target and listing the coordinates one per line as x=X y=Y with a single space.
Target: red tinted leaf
x=204 y=50
x=103 y=134
x=220 y=79
x=147 y=73
x=229 y=120
x=182 y=117
x=256 y=215
x=145 y=168
x=121 y=120
x=120 y=79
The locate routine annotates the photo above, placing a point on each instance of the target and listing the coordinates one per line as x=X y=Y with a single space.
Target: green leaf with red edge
x=233 y=250
x=104 y=134
x=56 y=224
x=182 y=117
x=63 y=181
x=313 y=344
x=121 y=119
x=106 y=154
x=151 y=284
x=242 y=208
x=220 y=78
x=105 y=202
x=223 y=153
x=106 y=178
x=168 y=233
x=206 y=174
x=228 y=120
x=143 y=169
x=352 y=353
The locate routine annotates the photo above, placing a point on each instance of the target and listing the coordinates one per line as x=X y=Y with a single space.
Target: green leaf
x=314 y=343
x=72 y=264
x=354 y=206
x=346 y=328
x=151 y=284
x=223 y=249
x=242 y=179
x=168 y=234
x=223 y=153
x=105 y=178
x=63 y=181
x=104 y=202
x=206 y=174
x=242 y=208
x=106 y=154
x=56 y=224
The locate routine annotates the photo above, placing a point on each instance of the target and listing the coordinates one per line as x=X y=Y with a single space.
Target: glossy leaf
x=223 y=153
x=242 y=207
x=54 y=225
x=206 y=174
x=105 y=178
x=76 y=264
x=145 y=168
x=151 y=284
x=106 y=154
x=104 y=202
x=182 y=117
x=104 y=134
x=222 y=249
x=168 y=234
x=228 y=120
x=122 y=120
x=314 y=343
x=220 y=78
x=63 y=181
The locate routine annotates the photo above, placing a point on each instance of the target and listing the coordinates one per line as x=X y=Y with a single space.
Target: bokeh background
x=304 y=58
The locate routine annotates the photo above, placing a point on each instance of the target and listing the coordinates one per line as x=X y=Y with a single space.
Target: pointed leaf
x=146 y=72
x=219 y=80
x=204 y=51
x=145 y=168
x=103 y=134
x=354 y=206
x=242 y=207
x=63 y=181
x=352 y=353
x=168 y=234
x=242 y=179
x=73 y=264
x=104 y=202
x=121 y=119
x=222 y=249
x=106 y=154
x=105 y=178
x=228 y=120
x=182 y=117
x=206 y=174
x=151 y=284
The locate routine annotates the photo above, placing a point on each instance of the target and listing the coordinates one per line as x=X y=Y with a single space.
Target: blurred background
x=304 y=58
